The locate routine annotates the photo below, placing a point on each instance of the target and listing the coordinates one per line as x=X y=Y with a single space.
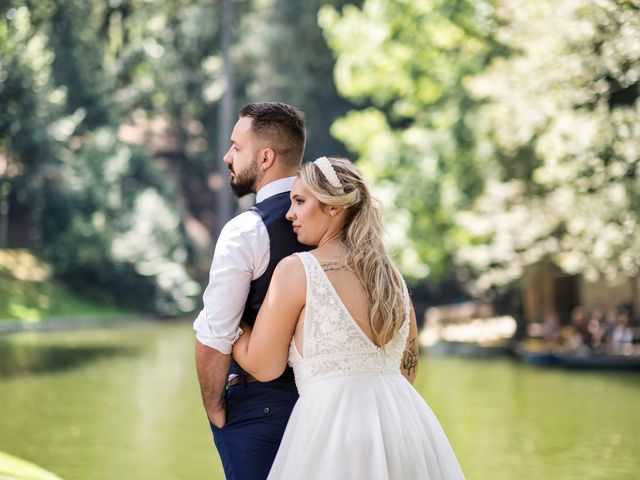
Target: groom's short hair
x=280 y=126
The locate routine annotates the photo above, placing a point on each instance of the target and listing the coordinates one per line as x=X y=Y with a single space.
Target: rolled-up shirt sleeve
x=241 y=255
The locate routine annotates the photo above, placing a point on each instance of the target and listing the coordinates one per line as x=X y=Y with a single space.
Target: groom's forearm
x=212 y=367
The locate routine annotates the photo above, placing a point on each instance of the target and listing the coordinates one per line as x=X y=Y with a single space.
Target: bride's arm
x=409 y=365
x=262 y=351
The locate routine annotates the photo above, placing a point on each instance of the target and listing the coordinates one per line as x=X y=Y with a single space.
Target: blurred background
x=501 y=137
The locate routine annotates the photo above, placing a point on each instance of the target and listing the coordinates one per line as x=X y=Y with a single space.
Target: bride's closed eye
x=297 y=200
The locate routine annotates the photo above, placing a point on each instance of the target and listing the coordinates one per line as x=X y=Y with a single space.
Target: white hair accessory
x=327 y=170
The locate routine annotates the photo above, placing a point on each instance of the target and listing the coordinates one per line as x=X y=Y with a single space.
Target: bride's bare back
x=350 y=290
x=283 y=313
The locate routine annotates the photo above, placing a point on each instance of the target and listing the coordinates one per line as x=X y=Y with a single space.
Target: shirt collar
x=273 y=188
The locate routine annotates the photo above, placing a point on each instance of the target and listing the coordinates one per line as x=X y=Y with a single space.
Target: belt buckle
x=231 y=378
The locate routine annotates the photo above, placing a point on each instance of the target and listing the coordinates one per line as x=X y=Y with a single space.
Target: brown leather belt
x=235 y=379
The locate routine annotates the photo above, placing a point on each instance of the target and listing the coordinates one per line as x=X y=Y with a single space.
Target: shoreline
x=80 y=322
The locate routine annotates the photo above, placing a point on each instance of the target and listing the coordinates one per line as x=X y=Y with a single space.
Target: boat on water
x=543 y=355
x=603 y=361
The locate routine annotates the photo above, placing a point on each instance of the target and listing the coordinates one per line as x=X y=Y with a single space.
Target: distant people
x=622 y=334
x=551 y=331
x=596 y=334
x=596 y=331
x=575 y=334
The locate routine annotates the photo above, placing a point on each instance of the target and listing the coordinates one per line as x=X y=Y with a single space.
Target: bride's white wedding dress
x=357 y=416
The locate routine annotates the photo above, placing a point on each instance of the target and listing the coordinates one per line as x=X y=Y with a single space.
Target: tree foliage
x=498 y=133
x=104 y=214
x=108 y=129
x=284 y=56
x=562 y=117
x=406 y=63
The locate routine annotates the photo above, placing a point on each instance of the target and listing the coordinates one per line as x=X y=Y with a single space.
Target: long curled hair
x=362 y=237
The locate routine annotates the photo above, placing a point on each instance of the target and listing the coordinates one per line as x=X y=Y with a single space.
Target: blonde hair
x=362 y=237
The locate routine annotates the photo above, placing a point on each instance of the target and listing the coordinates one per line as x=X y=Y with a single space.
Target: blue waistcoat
x=282 y=243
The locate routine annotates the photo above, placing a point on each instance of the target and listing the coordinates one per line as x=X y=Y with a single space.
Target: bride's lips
x=296 y=228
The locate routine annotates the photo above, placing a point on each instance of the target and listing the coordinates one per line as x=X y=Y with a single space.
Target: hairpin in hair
x=327 y=170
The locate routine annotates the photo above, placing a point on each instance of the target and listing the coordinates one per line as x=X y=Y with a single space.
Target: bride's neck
x=332 y=242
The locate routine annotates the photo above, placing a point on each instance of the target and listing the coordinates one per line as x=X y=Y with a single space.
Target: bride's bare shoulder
x=289 y=281
x=289 y=268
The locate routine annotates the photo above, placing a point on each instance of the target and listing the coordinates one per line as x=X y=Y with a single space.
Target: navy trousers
x=257 y=414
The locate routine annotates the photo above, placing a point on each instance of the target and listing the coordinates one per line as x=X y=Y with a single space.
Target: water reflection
x=18 y=358
x=125 y=405
x=132 y=413
x=508 y=420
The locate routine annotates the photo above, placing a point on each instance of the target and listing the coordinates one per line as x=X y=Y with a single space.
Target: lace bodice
x=333 y=344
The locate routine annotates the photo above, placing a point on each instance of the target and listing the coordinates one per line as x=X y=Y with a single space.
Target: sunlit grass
x=29 y=292
x=15 y=468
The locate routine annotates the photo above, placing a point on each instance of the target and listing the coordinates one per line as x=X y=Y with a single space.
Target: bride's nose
x=289 y=215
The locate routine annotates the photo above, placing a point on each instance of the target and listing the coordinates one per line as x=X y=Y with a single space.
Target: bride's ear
x=333 y=211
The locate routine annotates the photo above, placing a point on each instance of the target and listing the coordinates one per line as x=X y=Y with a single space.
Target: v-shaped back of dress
x=333 y=343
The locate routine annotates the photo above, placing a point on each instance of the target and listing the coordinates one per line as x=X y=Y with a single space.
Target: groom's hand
x=213 y=367
x=217 y=414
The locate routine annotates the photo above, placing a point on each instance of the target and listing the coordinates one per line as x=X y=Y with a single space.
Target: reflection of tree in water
x=20 y=359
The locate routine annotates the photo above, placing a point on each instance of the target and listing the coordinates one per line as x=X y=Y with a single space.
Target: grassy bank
x=12 y=468
x=29 y=292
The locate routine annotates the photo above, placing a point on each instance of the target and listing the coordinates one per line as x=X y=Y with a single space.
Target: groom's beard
x=244 y=183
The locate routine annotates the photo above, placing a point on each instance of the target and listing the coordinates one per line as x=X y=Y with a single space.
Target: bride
x=341 y=316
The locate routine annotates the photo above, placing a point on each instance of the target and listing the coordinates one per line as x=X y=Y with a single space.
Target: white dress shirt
x=241 y=256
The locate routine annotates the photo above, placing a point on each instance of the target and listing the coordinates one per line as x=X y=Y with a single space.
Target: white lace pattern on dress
x=333 y=344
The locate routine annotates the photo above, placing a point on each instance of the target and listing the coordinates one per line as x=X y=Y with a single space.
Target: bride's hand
x=241 y=342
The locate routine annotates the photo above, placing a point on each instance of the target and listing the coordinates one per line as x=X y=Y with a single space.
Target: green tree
x=562 y=123
x=108 y=131
x=87 y=189
x=405 y=63
x=284 y=56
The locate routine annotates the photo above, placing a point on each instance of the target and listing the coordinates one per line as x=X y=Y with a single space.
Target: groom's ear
x=266 y=158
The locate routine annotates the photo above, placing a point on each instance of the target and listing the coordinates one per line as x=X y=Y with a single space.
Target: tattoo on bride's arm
x=410 y=358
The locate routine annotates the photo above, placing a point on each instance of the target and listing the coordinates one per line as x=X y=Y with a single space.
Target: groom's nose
x=228 y=158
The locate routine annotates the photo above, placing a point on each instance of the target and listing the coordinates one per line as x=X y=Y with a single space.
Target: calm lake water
x=123 y=404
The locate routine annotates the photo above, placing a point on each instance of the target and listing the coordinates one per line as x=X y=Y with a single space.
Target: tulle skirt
x=373 y=427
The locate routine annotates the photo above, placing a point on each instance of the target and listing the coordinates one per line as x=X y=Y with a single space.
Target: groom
x=247 y=417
